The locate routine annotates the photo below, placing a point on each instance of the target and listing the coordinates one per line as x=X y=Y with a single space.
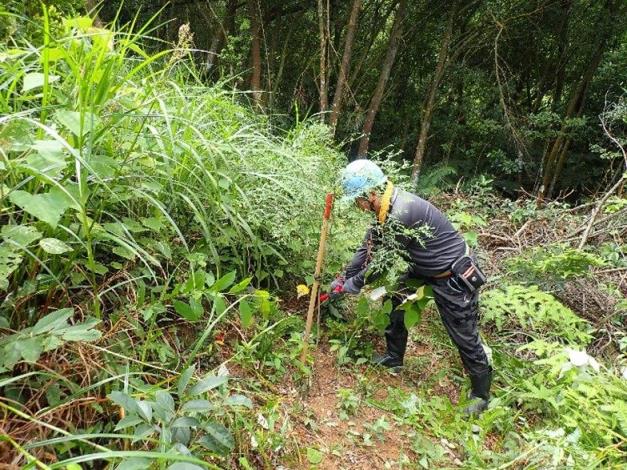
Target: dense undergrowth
x=135 y=198
x=151 y=226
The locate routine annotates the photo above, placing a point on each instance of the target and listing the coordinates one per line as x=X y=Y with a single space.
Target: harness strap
x=386 y=200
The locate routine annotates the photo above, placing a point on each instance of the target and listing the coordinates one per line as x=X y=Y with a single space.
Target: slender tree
x=324 y=41
x=429 y=102
x=556 y=157
x=255 y=50
x=225 y=29
x=92 y=6
x=384 y=75
x=374 y=29
x=345 y=64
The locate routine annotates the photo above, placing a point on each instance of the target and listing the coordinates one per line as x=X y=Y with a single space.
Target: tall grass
x=131 y=163
x=124 y=178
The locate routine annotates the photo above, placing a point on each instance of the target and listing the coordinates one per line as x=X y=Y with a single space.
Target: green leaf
x=48 y=159
x=195 y=282
x=224 y=282
x=10 y=259
x=134 y=463
x=185 y=422
x=81 y=332
x=97 y=268
x=55 y=53
x=218 y=438
x=54 y=246
x=210 y=279
x=240 y=286
x=81 y=22
x=53 y=321
x=220 y=304
x=196 y=306
x=23 y=235
x=124 y=252
x=472 y=238
x=73 y=466
x=413 y=314
x=125 y=401
x=72 y=120
x=142 y=432
x=36 y=80
x=197 y=406
x=144 y=409
x=153 y=223
x=184 y=310
x=184 y=379
x=245 y=314
x=362 y=307
x=208 y=383
x=314 y=456
x=29 y=348
x=53 y=394
x=128 y=421
x=48 y=207
x=239 y=400
x=164 y=405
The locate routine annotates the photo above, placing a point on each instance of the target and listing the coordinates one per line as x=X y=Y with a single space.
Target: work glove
x=337 y=285
x=335 y=290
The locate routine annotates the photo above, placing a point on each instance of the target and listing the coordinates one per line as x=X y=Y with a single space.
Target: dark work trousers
x=459 y=311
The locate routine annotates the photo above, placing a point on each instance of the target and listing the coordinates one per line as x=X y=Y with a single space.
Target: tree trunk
x=390 y=56
x=324 y=40
x=560 y=71
x=279 y=74
x=429 y=103
x=556 y=157
x=345 y=64
x=220 y=38
x=378 y=24
x=255 y=51
x=92 y=6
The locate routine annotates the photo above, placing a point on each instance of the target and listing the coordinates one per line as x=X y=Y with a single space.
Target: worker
x=441 y=259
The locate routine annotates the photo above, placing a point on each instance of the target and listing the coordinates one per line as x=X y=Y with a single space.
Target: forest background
x=512 y=89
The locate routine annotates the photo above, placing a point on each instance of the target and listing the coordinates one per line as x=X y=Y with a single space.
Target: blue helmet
x=359 y=177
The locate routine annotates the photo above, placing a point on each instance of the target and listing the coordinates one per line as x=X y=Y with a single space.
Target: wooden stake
x=319 y=260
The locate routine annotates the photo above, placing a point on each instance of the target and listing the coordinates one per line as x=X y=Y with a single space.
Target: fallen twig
x=597 y=222
x=597 y=209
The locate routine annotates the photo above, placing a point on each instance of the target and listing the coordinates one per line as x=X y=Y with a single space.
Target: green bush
x=114 y=160
x=553 y=263
x=583 y=405
x=528 y=311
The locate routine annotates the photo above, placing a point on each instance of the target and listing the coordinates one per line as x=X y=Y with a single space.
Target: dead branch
x=606 y=196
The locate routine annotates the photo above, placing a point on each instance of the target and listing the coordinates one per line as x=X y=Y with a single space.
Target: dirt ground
x=342 y=441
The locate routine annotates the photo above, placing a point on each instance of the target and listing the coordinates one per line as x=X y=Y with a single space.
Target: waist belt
x=448 y=273
x=444 y=275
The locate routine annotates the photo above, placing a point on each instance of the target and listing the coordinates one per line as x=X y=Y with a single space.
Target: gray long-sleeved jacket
x=429 y=257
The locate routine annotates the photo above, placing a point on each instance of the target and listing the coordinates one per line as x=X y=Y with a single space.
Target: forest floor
x=356 y=416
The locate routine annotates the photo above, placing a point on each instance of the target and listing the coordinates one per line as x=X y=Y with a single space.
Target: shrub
x=583 y=403
x=556 y=262
x=529 y=311
x=112 y=162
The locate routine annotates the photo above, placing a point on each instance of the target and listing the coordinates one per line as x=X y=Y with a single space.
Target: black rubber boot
x=479 y=394
x=396 y=341
x=387 y=360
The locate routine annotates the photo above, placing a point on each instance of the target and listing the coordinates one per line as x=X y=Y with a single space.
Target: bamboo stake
x=319 y=260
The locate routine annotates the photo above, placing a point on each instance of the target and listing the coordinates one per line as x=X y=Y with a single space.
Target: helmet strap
x=386 y=200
